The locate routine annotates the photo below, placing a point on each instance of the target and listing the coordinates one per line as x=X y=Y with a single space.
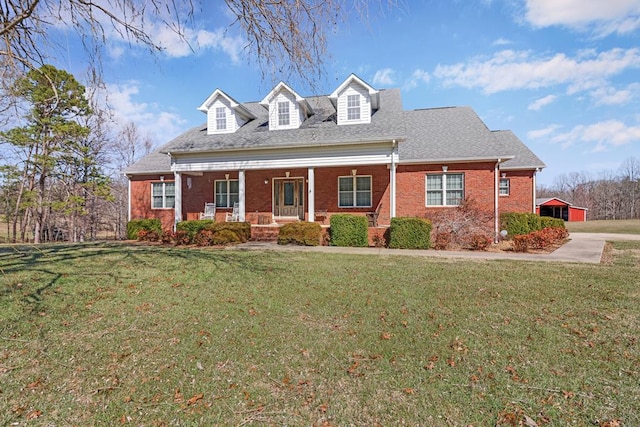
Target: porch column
x=241 y=196
x=311 y=198
x=178 y=197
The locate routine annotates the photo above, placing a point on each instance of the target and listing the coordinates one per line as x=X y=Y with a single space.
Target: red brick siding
x=520 y=198
x=141 y=201
x=411 y=184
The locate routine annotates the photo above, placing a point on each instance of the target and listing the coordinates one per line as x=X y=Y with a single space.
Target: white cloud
x=543 y=133
x=539 y=103
x=418 y=76
x=509 y=70
x=384 y=77
x=607 y=95
x=501 y=42
x=601 y=17
x=159 y=125
x=606 y=134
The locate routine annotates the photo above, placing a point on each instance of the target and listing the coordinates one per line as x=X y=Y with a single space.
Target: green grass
x=103 y=334
x=624 y=226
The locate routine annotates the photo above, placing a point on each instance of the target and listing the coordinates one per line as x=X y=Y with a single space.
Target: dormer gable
x=287 y=109
x=224 y=114
x=355 y=101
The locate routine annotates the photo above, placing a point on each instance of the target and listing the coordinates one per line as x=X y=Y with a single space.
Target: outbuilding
x=557 y=208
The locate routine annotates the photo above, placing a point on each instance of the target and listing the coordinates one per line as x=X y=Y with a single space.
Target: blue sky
x=564 y=75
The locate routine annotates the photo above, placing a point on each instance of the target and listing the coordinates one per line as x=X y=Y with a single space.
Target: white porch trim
x=311 y=198
x=241 y=196
x=178 y=197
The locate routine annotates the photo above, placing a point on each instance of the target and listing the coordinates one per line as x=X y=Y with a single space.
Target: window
x=226 y=193
x=163 y=195
x=354 y=191
x=504 y=186
x=283 y=113
x=445 y=189
x=353 y=107
x=221 y=118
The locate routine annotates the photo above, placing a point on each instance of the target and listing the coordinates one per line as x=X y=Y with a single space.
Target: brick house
x=354 y=151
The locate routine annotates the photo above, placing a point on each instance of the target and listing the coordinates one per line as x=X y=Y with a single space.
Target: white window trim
x=508 y=187
x=281 y=115
x=354 y=108
x=221 y=119
x=164 y=194
x=228 y=193
x=443 y=189
x=355 y=192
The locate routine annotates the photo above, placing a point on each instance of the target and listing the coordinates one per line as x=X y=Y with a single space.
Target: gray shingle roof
x=430 y=135
x=524 y=158
x=448 y=134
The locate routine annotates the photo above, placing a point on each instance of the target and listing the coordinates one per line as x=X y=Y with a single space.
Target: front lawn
x=624 y=226
x=107 y=334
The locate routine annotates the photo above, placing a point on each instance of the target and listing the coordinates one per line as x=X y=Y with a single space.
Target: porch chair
x=209 y=211
x=234 y=215
x=373 y=216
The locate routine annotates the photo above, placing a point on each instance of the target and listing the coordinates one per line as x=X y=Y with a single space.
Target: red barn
x=557 y=208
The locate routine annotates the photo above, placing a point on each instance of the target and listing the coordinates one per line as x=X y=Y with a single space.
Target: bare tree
x=285 y=37
x=630 y=175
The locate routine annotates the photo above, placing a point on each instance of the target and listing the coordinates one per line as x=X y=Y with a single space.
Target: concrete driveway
x=581 y=248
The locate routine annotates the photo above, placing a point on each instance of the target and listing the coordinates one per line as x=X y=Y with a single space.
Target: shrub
x=457 y=226
x=521 y=243
x=549 y=222
x=193 y=227
x=148 y=224
x=225 y=237
x=480 y=242
x=539 y=239
x=441 y=240
x=349 y=230
x=300 y=233
x=410 y=233
x=182 y=237
x=168 y=237
x=241 y=229
x=148 y=236
x=518 y=223
x=203 y=238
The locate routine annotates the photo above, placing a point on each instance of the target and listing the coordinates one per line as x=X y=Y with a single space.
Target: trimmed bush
x=300 y=233
x=549 y=222
x=148 y=224
x=517 y=223
x=410 y=233
x=241 y=229
x=193 y=227
x=349 y=230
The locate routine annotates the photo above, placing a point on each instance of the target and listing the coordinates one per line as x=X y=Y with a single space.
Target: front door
x=288 y=197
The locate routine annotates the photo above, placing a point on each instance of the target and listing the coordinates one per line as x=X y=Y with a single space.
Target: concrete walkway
x=581 y=248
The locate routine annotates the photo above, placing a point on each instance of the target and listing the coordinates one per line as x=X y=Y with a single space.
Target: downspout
x=129 y=198
x=535 y=172
x=392 y=205
x=496 y=212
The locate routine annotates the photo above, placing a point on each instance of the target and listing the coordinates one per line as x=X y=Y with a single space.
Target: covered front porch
x=278 y=196
x=272 y=186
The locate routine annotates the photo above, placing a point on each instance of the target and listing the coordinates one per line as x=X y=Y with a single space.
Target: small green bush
x=549 y=222
x=193 y=227
x=349 y=230
x=410 y=233
x=517 y=223
x=241 y=229
x=148 y=224
x=300 y=233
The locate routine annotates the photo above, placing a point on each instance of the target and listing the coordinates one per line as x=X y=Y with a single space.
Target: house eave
x=454 y=160
x=389 y=140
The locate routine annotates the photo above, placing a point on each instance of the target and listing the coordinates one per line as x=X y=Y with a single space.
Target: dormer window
x=355 y=101
x=353 y=107
x=221 y=118
x=224 y=114
x=284 y=118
